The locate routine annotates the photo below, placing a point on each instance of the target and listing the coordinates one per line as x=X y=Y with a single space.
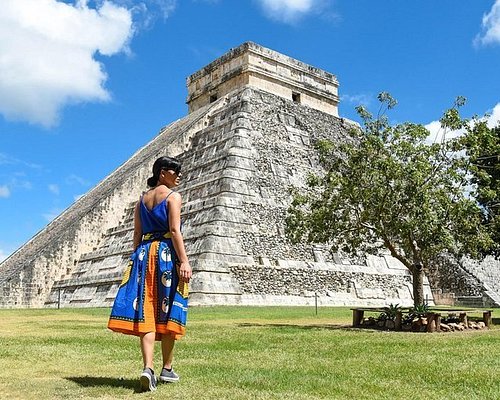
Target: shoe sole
x=168 y=380
x=147 y=384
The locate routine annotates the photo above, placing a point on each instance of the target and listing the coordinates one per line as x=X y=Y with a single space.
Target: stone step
x=88 y=281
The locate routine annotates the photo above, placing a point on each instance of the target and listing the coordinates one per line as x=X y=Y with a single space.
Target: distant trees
x=387 y=187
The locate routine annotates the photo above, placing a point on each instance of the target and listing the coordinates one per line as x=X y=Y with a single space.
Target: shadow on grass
x=95 y=381
x=308 y=327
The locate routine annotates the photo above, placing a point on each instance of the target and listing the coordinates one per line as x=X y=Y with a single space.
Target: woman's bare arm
x=137 y=226
x=174 y=218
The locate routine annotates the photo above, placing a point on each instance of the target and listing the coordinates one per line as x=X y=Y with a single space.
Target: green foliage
x=390 y=312
x=483 y=149
x=387 y=187
x=420 y=309
x=415 y=312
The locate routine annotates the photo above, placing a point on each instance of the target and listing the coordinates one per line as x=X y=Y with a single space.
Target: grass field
x=245 y=353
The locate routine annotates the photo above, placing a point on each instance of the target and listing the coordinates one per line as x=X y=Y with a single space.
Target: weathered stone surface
x=267 y=70
x=466 y=282
x=456 y=327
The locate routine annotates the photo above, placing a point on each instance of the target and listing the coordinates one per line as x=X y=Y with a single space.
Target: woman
x=152 y=299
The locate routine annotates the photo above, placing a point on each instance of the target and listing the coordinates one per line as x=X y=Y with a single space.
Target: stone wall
x=447 y=274
x=487 y=272
x=282 y=135
x=282 y=281
x=466 y=281
x=267 y=70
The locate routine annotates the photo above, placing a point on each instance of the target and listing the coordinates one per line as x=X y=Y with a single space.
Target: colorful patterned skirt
x=151 y=297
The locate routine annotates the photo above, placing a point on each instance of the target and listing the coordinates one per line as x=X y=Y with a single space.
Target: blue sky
x=84 y=84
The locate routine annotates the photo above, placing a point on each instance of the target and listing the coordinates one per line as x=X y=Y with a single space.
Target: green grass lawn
x=245 y=353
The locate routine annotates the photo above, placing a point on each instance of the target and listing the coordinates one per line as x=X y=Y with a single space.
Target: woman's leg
x=167 y=350
x=147 y=348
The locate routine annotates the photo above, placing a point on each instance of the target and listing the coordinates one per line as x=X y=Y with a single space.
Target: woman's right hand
x=185 y=271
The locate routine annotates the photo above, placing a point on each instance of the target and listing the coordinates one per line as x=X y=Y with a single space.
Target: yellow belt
x=157 y=235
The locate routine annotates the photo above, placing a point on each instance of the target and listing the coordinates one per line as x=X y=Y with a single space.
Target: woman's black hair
x=167 y=163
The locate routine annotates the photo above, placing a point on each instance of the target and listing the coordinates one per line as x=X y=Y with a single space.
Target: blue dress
x=151 y=297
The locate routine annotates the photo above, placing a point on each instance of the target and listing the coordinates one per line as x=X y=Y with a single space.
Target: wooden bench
x=358 y=314
x=462 y=314
x=433 y=316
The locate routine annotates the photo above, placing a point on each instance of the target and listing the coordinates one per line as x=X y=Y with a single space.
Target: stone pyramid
x=253 y=117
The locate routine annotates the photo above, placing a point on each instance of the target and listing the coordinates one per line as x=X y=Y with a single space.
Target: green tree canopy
x=387 y=187
x=483 y=149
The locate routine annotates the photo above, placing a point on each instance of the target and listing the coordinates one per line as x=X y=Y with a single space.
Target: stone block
x=369 y=293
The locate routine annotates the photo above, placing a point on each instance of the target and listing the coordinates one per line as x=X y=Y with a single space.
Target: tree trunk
x=418 y=284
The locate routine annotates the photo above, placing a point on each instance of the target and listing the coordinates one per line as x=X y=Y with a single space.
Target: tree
x=387 y=187
x=483 y=150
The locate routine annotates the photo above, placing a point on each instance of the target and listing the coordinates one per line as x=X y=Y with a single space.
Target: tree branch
x=395 y=253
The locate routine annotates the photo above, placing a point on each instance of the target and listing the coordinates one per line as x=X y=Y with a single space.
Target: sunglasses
x=175 y=171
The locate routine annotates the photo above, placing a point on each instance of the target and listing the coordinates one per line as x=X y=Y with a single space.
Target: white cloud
x=49 y=216
x=146 y=12
x=3 y=255
x=438 y=134
x=490 y=27
x=4 y=191
x=166 y=7
x=289 y=11
x=494 y=117
x=14 y=184
x=356 y=99
x=6 y=159
x=75 y=179
x=21 y=184
x=53 y=188
x=47 y=51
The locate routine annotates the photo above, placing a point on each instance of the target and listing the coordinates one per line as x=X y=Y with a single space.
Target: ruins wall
x=263 y=69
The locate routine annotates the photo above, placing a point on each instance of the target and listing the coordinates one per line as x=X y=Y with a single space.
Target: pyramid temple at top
x=254 y=115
